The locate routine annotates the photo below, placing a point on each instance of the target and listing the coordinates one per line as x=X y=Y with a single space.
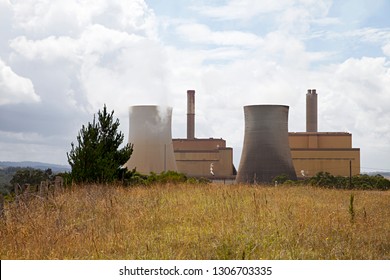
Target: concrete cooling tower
x=266 y=152
x=150 y=133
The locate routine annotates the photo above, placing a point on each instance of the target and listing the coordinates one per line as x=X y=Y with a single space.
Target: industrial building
x=207 y=157
x=269 y=149
x=311 y=151
x=314 y=151
x=202 y=157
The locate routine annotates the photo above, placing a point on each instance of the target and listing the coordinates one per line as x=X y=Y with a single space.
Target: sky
x=62 y=60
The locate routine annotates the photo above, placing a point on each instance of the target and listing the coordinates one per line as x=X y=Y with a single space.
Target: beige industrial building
x=202 y=157
x=209 y=158
x=314 y=151
x=311 y=151
x=331 y=152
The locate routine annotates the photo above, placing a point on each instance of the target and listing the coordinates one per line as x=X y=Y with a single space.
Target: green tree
x=30 y=176
x=97 y=157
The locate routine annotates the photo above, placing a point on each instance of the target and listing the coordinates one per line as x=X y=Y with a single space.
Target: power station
x=269 y=149
x=314 y=151
x=202 y=157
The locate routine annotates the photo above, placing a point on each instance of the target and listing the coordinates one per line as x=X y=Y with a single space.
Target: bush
x=134 y=178
x=361 y=181
x=280 y=179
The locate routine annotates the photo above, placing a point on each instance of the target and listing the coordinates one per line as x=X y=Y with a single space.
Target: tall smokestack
x=311 y=111
x=190 y=114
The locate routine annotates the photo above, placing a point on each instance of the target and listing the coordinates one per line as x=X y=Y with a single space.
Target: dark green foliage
x=280 y=179
x=171 y=177
x=323 y=179
x=97 y=157
x=31 y=176
x=134 y=178
x=6 y=175
x=362 y=181
x=327 y=180
x=365 y=181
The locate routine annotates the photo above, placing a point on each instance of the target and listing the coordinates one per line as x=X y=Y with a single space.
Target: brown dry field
x=198 y=222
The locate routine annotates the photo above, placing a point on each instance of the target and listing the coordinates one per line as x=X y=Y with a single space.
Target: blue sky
x=60 y=61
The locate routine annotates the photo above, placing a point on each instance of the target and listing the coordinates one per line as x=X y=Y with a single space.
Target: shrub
x=97 y=157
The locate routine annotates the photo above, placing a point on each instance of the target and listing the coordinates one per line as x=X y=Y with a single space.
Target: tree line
x=327 y=180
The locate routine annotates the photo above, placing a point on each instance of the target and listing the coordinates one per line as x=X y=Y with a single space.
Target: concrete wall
x=320 y=140
x=198 y=144
x=324 y=151
x=194 y=157
x=336 y=162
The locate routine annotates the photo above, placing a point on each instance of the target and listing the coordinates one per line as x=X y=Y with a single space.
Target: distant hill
x=56 y=168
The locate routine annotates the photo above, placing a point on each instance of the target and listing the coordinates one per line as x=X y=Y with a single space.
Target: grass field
x=199 y=222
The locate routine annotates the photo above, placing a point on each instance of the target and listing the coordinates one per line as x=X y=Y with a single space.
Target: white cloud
x=70 y=17
x=77 y=55
x=105 y=58
x=367 y=34
x=14 y=88
x=134 y=76
x=244 y=9
x=49 y=49
x=386 y=49
x=201 y=34
x=358 y=93
x=98 y=39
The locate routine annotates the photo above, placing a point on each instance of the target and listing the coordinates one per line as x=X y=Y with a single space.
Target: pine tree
x=97 y=157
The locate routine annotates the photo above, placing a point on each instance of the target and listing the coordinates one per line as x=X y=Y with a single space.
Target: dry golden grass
x=199 y=222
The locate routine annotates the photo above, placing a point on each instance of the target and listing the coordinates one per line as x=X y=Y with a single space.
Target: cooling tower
x=311 y=111
x=150 y=133
x=266 y=151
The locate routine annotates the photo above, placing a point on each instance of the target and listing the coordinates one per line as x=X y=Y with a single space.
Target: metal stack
x=190 y=114
x=311 y=111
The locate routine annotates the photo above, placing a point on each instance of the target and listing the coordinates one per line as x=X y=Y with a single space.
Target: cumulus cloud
x=78 y=55
x=14 y=88
x=358 y=93
x=48 y=49
x=92 y=52
x=70 y=17
x=200 y=33
x=386 y=49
